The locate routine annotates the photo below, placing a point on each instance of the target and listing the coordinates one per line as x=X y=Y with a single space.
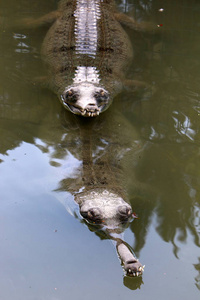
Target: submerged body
x=87 y=52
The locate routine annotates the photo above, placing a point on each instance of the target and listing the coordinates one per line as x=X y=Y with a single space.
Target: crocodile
x=87 y=52
x=98 y=184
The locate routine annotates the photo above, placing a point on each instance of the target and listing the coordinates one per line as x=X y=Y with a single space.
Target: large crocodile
x=87 y=52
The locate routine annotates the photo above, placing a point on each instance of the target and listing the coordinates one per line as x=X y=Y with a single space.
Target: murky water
x=47 y=252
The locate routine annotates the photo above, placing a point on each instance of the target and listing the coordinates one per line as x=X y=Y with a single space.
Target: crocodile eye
x=69 y=93
x=124 y=212
x=93 y=215
x=70 y=96
x=101 y=96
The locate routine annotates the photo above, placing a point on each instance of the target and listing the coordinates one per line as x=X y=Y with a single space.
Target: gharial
x=87 y=53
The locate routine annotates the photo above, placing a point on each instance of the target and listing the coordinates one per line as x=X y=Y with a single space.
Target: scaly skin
x=87 y=52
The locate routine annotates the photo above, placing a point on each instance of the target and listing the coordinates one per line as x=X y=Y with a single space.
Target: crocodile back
x=86 y=35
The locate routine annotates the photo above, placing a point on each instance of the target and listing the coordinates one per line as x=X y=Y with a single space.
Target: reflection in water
x=167 y=123
x=101 y=151
x=99 y=184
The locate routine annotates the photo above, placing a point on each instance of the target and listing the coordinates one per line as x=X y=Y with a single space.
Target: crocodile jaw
x=85 y=99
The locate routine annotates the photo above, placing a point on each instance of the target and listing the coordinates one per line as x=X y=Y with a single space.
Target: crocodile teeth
x=90 y=113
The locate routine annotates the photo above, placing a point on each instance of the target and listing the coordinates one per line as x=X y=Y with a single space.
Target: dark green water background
x=45 y=252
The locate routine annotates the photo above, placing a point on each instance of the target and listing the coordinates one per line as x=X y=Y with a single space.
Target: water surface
x=47 y=252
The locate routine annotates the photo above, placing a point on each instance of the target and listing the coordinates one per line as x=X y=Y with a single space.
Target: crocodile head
x=104 y=208
x=85 y=99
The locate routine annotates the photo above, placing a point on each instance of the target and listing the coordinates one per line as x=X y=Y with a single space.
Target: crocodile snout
x=85 y=99
x=91 y=110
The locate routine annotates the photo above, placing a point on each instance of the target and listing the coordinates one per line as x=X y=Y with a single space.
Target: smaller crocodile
x=87 y=53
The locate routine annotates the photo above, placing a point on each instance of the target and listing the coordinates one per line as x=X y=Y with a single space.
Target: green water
x=47 y=253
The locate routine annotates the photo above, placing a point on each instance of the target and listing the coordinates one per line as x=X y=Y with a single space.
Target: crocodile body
x=87 y=52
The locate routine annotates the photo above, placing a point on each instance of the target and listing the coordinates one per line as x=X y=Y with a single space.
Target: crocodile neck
x=86 y=74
